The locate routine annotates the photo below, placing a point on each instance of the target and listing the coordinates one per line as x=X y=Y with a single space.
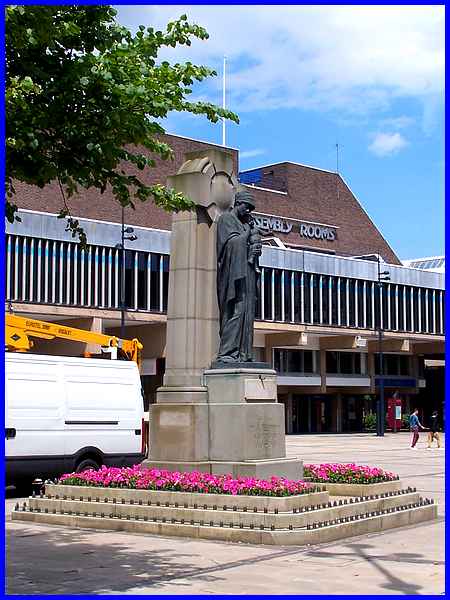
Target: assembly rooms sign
x=306 y=229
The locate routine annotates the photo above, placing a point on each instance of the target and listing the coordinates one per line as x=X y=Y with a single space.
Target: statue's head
x=244 y=198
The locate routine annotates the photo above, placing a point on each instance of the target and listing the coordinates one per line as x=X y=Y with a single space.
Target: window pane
x=294 y=361
x=307 y=361
x=307 y=297
x=334 y=301
x=343 y=296
x=278 y=294
x=351 y=300
x=297 y=297
x=166 y=266
x=287 y=296
x=325 y=299
x=332 y=362
x=154 y=282
x=346 y=363
x=316 y=301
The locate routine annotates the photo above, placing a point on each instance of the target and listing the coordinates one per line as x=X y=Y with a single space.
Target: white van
x=66 y=414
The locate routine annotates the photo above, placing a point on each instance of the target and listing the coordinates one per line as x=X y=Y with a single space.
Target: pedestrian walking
x=414 y=424
x=433 y=433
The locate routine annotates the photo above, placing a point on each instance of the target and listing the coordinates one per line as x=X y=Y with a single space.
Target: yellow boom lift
x=19 y=330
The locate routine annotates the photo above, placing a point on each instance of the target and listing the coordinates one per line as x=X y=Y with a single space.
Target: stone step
x=358 y=489
x=194 y=500
x=315 y=534
x=280 y=520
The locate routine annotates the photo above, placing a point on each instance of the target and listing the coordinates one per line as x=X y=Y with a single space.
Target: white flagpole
x=223 y=100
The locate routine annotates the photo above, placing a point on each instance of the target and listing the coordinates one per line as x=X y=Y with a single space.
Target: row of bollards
x=368 y=514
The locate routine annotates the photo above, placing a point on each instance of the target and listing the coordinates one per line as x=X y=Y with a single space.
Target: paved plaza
x=44 y=559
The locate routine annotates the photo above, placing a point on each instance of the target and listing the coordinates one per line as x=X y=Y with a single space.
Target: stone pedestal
x=238 y=430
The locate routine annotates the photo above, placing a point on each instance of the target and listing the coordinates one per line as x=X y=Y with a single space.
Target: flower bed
x=347 y=473
x=197 y=482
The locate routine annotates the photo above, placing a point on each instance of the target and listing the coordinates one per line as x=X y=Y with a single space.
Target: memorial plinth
x=209 y=417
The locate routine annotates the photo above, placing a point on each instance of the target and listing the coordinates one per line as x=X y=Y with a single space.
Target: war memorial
x=217 y=412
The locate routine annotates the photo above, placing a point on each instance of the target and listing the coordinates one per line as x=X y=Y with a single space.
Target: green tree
x=83 y=93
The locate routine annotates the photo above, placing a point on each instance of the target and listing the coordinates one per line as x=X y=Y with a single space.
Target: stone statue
x=238 y=252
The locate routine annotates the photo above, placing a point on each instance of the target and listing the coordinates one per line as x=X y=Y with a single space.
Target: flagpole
x=223 y=100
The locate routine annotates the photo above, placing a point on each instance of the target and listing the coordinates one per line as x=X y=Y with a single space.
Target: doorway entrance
x=311 y=414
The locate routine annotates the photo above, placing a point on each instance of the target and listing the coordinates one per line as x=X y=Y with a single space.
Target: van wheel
x=87 y=463
x=24 y=487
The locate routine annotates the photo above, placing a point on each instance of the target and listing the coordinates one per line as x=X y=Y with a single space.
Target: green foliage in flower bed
x=347 y=473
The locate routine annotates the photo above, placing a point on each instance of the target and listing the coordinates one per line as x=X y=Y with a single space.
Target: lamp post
x=121 y=246
x=382 y=276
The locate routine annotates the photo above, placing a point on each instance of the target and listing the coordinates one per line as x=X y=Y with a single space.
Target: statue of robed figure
x=238 y=251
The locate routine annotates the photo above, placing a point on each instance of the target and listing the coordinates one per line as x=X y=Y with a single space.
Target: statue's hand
x=257 y=249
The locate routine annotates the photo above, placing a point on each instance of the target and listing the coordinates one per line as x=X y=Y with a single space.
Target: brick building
x=320 y=304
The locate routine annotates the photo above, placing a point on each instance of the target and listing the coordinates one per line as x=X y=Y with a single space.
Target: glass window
x=278 y=360
x=423 y=310
x=154 y=282
x=430 y=310
x=408 y=294
x=351 y=301
x=308 y=366
x=390 y=364
x=377 y=306
x=277 y=273
x=357 y=363
x=360 y=301
x=400 y=298
x=343 y=296
x=307 y=297
x=297 y=297
x=393 y=294
x=316 y=299
x=129 y=278
x=334 y=301
x=287 y=296
x=385 y=301
x=332 y=362
x=166 y=267
x=142 y=281
x=437 y=300
x=346 y=363
x=294 y=362
x=405 y=365
x=325 y=299
x=369 y=291
x=268 y=294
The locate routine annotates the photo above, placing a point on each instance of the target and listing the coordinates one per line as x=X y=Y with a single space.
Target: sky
x=305 y=78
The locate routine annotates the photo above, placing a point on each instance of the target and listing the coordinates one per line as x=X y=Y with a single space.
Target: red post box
x=394 y=406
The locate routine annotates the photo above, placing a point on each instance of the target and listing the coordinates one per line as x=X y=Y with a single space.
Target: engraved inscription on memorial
x=264 y=435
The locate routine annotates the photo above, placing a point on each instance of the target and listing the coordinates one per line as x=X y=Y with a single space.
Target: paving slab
x=42 y=559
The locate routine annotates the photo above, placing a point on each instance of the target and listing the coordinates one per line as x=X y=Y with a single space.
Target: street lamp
x=382 y=276
x=121 y=246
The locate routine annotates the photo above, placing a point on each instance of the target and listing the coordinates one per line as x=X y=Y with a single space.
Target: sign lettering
x=270 y=224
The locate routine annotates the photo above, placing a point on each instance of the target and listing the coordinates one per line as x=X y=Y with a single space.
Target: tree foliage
x=83 y=92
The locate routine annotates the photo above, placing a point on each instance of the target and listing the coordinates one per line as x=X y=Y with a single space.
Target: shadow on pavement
x=66 y=563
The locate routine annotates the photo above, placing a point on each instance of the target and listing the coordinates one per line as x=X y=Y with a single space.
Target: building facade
x=320 y=303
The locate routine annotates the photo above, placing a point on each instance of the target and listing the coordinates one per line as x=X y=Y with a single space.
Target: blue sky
x=303 y=78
